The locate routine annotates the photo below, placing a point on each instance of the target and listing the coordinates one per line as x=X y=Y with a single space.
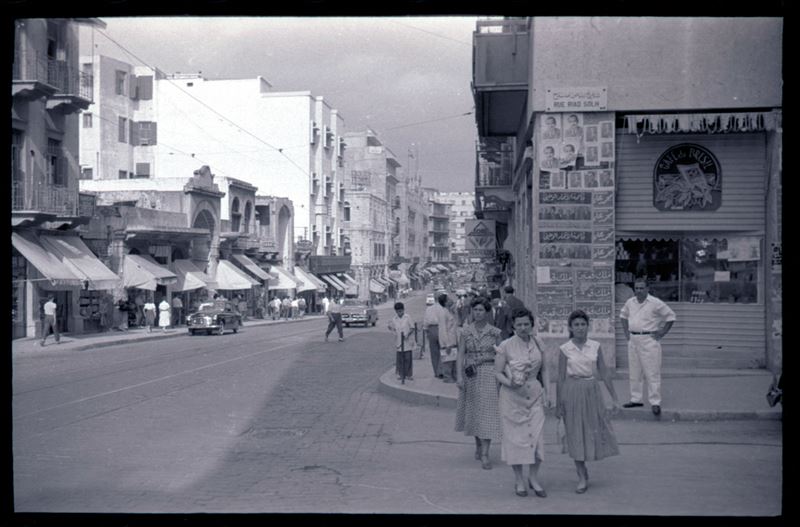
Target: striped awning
x=309 y=282
x=143 y=272
x=56 y=276
x=251 y=267
x=231 y=278
x=286 y=280
x=75 y=255
x=333 y=282
x=376 y=287
x=190 y=277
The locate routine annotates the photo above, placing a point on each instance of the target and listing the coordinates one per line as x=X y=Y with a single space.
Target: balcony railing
x=48 y=199
x=34 y=66
x=494 y=168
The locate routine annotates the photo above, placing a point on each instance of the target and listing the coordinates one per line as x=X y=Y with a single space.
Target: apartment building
x=462 y=208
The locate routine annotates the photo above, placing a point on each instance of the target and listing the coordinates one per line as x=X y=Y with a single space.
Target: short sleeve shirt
x=649 y=315
x=581 y=361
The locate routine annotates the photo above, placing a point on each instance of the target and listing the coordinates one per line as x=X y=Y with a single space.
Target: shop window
x=694 y=270
x=720 y=270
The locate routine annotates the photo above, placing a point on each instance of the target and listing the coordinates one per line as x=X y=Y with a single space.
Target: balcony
x=500 y=75
x=396 y=202
x=494 y=174
x=30 y=206
x=66 y=88
x=247 y=242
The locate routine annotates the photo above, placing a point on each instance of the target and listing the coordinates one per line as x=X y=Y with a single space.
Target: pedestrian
x=465 y=312
x=275 y=307
x=477 y=409
x=241 y=306
x=164 y=314
x=139 y=302
x=149 y=309
x=430 y=324
x=501 y=318
x=645 y=321
x=50 y=320
x=513 y=303
x=301 y=306
x=334 y=320
x=448 y=343
x=579 y=399
x=295 y=308
x=404 y=329
x=286 y=307
x=177 y=310
x=325 y=304
x=521 y=370
x=121 y=314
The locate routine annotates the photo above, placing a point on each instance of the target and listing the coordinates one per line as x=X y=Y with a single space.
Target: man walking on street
x=177 y=311
x=512 y=301
x=430 y=324
x=50 y=322
x=645 y=320
x=334 y=320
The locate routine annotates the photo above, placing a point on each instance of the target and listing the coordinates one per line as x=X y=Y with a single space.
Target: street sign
x=480 y=238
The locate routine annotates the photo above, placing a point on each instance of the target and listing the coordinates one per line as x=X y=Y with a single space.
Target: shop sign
x=480 y=238
x=572 y=99
x=303 y=246
x=687 y=177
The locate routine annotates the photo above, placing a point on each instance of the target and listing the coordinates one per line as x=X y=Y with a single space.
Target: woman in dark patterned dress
x=477 y=409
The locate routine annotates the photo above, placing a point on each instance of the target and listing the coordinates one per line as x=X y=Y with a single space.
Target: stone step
x=702 y=362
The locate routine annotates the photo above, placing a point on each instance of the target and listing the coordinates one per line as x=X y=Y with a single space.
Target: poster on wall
x=550 y=142
x=575 y=244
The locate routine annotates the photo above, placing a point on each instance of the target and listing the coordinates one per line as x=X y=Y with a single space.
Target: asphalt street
x=273 y=419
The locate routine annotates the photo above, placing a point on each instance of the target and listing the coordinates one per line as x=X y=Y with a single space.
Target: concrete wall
x=660 y=63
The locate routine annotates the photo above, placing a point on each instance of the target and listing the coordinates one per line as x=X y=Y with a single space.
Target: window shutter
x=142 y=169
x=153 y=130
x=134 y=133
x=133 y=86
x=145 y=83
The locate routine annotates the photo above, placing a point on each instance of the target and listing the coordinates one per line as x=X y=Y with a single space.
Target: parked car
x=214 y=318
x=358 y=312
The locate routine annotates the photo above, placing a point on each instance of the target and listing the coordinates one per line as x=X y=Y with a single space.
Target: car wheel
x=221 y=328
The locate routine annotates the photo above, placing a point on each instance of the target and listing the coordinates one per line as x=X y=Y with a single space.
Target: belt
x=642 y=332
x=581 y=377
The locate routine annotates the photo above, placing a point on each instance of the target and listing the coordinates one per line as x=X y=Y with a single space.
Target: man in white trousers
x=645 y=320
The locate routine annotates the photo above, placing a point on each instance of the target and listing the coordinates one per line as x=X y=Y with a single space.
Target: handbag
x=448 y=354
x=774 y=394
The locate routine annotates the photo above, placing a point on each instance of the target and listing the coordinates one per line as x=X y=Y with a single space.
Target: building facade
x=462 y=208
x=48 y=90
x=438 y=226
x=146 y=124
x=665 y=165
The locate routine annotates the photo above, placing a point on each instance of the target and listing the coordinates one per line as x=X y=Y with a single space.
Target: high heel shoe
x=485 y=463
x=581 y=490
x=521 y=493
x=541 y=493
x=478 y=454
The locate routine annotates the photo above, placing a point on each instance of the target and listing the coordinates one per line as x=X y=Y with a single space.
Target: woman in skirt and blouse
x=579 y=400
x=477 y=410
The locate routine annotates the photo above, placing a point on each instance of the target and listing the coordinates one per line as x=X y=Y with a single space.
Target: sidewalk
x=687 y=395
x=111 y=338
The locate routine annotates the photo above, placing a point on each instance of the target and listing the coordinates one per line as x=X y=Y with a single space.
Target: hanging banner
x=480 y=240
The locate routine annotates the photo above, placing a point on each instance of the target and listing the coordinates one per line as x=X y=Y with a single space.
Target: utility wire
x=432 y=33
x=430 y=121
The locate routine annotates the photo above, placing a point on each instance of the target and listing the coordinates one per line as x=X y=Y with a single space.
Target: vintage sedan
x=214 y=318
x=358 y=312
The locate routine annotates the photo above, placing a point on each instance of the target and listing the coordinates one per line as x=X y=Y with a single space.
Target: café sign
x=687 y=177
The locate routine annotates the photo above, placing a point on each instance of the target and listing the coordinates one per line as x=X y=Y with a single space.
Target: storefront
x=60 y=264
x=692 y=217
x=311 y=289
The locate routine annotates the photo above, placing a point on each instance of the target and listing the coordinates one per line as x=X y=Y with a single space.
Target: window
x=146 y=133
x=144 y=87
x=16 y=156
x=119 y=84
x=346 y=211
x=86 y=173
x=123 y=174
x=87 y=120
x=695 y=270
x=123 y=130
x=55 y=168
x=143 y=170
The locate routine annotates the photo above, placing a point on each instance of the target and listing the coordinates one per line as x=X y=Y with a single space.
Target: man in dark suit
x=501 y=318
x=510 y=300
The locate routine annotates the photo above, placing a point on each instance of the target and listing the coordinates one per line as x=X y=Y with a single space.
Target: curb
x=410 y=394
x=75 y=345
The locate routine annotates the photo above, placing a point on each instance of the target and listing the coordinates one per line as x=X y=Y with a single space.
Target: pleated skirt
x=589 y=434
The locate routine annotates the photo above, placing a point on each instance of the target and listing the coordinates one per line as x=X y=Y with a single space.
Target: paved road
x=275 y=420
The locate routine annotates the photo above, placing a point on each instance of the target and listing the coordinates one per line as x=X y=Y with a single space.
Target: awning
x=391 y=281
x=383 y=281
x=336 y=284
x=74 y=254
x=143 y=272
x=286 y=280
x=309 y=283
x=432 y=270
x=231 y=278
x=403 y=281
x=376 y=287
x=442 y=268
x=337 y=281
x=251 y=266
x=189 y=276
x=348 y=278
x=57 y=275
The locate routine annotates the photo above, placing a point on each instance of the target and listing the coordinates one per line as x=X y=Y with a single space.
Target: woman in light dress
x=520 y=370
x=579 y=400
x=164 y=314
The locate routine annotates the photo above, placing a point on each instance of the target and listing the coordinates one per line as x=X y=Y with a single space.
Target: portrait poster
x=605 y=178
x=590 y=179
x=606 y=130
x=575 y=179
x=591 y=134
x=568 y=154
x=558 y=180
x=591 y=155
x=551 y=127
x=607 y=151
x=550 y=142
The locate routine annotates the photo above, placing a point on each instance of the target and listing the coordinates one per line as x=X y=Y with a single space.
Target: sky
x=406 y=78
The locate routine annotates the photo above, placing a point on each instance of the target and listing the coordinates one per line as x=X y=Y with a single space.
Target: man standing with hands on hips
x=645 y=320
